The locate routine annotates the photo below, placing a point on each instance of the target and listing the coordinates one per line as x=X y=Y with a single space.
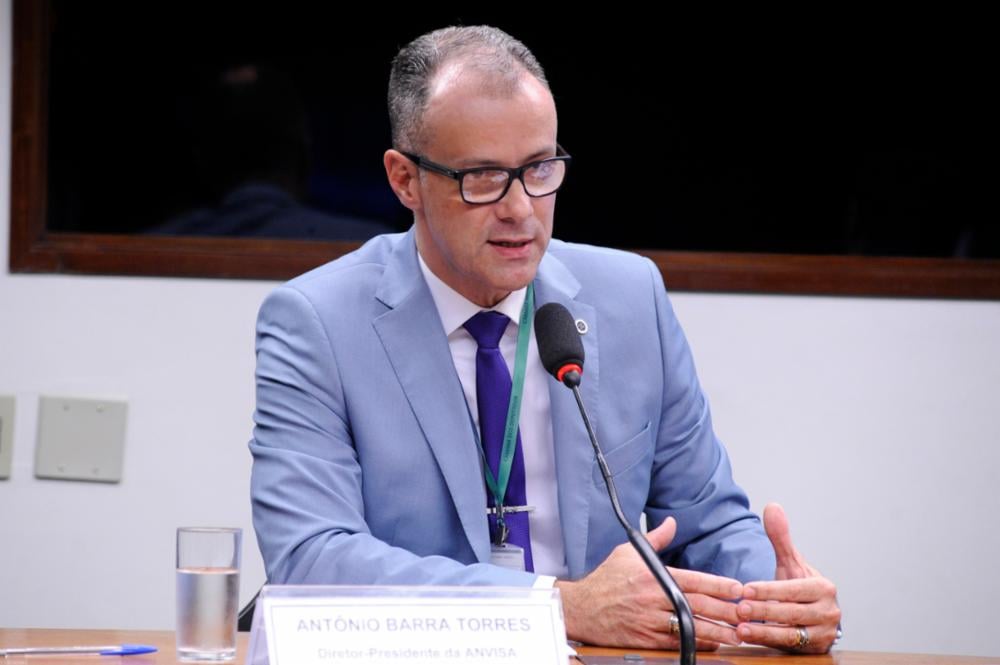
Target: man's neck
x=454 y=308
x=486 y=301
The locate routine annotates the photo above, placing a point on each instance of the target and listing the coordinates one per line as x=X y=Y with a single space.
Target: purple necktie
x=493 y=387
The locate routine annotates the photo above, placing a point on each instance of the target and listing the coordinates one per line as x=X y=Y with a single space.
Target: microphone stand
x=681 y=608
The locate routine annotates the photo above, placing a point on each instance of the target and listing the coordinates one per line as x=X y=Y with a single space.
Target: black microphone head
x=559 y=343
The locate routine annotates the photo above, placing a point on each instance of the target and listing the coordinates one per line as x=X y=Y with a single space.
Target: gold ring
x=803 y=637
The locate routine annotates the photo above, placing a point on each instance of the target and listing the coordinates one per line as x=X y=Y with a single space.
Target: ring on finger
x=674 y=624
x=803 y=636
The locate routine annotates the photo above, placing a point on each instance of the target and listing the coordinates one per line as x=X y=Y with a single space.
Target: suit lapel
x=418 y=350
x=573 y=453
x=411 y=333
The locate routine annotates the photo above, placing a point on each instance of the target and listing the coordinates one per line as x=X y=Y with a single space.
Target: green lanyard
x=498 y=487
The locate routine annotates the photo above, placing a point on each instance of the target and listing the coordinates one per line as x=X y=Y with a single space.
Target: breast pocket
x=635 y=452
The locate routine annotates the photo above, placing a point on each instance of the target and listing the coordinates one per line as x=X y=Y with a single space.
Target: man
x=376 y=448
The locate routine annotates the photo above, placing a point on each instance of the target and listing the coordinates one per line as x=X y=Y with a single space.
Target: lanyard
x=498 y=486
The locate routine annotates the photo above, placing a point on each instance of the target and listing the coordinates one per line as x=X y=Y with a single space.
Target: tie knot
x=487 y=328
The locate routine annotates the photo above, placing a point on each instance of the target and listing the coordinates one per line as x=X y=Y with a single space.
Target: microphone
x=559 y=345
x=561 y=351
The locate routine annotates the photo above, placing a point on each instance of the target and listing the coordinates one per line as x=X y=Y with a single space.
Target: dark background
x=802 y=134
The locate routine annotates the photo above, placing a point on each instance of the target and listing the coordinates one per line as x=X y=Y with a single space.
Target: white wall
x=875 y=422
x=181 y=352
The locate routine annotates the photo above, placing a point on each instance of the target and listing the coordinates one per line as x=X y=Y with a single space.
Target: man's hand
x=620 y=603
x=798 y=598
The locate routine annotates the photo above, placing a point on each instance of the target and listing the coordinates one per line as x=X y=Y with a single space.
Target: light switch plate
x=80 y=439
x=6 y=434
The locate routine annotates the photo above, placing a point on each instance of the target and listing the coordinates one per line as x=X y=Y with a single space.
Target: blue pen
x=113 y=650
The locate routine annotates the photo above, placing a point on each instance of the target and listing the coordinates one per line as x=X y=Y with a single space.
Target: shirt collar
x=455 y=309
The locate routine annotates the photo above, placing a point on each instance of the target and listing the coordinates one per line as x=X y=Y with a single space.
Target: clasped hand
x=620 y=604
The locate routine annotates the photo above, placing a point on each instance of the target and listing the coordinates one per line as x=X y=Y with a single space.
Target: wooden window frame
x=34 y=249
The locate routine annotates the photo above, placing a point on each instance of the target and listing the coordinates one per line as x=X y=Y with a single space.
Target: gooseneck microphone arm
x=562 y=355
x=641 y=545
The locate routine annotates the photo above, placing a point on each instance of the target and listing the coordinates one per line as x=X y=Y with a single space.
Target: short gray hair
x=482 y=47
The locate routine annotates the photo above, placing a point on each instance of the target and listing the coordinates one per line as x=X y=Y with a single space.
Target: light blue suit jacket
x=365 y=463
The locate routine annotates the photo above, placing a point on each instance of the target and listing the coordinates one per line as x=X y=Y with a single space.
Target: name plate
x=321 y=625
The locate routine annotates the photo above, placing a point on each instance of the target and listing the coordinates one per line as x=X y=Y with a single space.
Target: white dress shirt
x=547 y=549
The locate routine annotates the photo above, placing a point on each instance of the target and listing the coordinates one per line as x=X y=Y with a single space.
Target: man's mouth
x=509 y=243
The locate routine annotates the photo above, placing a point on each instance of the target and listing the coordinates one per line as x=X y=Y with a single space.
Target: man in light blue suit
x=367 y=462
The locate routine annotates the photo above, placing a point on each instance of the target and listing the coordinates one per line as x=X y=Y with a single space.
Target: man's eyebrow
x=473 y=162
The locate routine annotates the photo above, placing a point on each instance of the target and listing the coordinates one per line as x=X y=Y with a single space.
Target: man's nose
x=515 y=204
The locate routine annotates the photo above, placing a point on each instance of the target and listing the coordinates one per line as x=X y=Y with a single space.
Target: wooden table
x=164 y=641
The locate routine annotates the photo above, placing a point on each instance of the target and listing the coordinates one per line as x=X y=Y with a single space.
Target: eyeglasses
x=489 y=184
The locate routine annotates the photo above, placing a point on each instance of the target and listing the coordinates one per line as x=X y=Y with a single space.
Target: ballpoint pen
x=112 y=650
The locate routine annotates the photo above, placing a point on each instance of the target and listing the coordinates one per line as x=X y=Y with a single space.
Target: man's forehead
x=448 y=77
x=462 y=93
x=468 y=77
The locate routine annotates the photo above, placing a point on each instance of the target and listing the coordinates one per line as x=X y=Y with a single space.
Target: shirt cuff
x=544 y=582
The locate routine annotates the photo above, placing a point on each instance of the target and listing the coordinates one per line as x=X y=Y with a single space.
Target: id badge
x=507 y=556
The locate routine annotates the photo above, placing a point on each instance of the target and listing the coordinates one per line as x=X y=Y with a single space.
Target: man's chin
x=519 y=279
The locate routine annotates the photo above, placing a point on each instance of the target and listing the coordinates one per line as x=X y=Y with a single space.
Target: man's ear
x=404 y=178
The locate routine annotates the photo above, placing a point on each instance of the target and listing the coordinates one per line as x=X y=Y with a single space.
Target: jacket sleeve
x=691 y=477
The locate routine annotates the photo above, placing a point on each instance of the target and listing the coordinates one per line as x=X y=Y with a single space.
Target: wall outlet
x=6 y=434
x=80 y=439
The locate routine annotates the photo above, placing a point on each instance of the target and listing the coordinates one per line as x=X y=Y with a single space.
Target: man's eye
x=485 y=178
x=541 y=171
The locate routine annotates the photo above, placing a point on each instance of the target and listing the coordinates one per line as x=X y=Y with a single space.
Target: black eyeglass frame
x=512 y=173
